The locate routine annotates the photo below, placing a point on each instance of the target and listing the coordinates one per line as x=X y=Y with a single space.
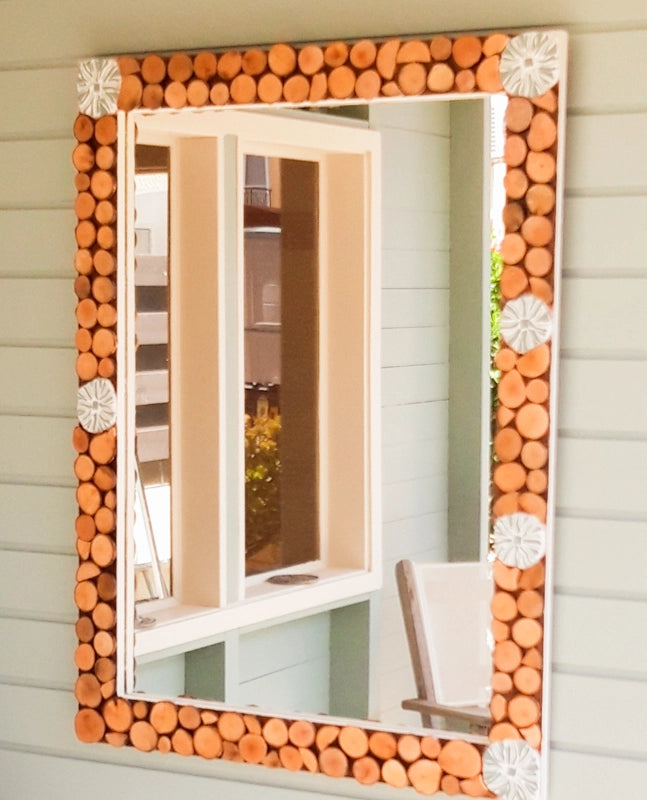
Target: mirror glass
x=247 y=380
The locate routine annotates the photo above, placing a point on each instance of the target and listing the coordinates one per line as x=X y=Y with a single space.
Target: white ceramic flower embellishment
x=526 y=322
x=530 y=64
x=519 y=540
x=96 y=405
x=98 y=86
x=511 y=770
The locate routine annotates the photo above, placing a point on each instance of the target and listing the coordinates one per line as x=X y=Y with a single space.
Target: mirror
x=317 y=380
x=289 y=513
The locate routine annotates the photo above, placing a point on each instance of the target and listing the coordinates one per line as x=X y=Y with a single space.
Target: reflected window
x=281 y=366
x=152 y=502
x=256 y=370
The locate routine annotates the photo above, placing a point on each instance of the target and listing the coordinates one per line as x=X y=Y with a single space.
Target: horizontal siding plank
x=303 y=687
x=594 y=777
x=38 y=517
x=412 y=460
x=595 y=235
x=37 y=312
x=621 y=165
x=75 y=30
x=37 y=653
x=417 y=384
x=36 y=450
x=414 y=498
x=409 y=423
x=412 y=116
x=409 y=537
x=46 y=255
x=415 y=346
x=612 y=394
x=414 y=308
x=412 y=268
x=30 y=369
x=599 y=713
x=125 y=772
x=38 y=584
x=604 y=316
x=36 y=173
x=429 y=229
x=591 y=634
x=272 y=649
x=418 y=176
x=607 y=477
x=38 y=101
x=593 y=88
x=601 y=556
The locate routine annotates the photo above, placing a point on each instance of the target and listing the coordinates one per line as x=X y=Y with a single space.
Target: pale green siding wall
x=600 y=656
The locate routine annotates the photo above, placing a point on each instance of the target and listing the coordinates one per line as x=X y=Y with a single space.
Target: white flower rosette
x=96 y=405
x=519 y=540
x=511 y=770
x=526 y=322
x=530 y=64
x=98 y=86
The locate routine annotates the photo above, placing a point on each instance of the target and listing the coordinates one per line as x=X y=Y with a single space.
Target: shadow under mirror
x=287 y=466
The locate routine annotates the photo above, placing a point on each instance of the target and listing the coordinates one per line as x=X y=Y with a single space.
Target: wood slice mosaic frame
x=530 y=68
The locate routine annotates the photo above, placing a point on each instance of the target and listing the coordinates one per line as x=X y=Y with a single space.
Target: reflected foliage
x=262 y=483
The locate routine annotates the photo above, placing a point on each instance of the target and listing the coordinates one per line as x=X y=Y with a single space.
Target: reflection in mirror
x=152 y=501
x=252 y=333
x=280 y=363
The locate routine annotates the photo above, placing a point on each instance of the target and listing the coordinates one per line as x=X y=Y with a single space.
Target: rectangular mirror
x=332 y=276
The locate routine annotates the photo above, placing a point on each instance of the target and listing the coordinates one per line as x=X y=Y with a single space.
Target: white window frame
x=350 y=564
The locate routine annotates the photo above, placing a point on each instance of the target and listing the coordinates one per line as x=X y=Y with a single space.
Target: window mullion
x=230 y=364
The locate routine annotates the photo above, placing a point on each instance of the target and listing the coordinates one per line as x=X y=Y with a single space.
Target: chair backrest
x=446 y=610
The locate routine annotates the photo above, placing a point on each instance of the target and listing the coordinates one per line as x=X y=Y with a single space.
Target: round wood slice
x=253 y=748
x=89 y=725
x=353 y=741
x=424 y=775
x=310 y=59
x=366 y=770
x=333 y=762
x=440 y=48
x=207 y=742
x=383 y=745
x=182 y=742
x=394 y=773
x=231 y=726
x=430 y=746
x=302 y=733
x=275 y=732
x=189 y=717
x=143 y=736
x=87 y=690
x=466 y=51
x=459 y=758
x=163 y=717
x=118 y=714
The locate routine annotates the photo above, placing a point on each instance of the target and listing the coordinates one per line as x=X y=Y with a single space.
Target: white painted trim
x=179 y=628
x=235 y=135
x=546 y=722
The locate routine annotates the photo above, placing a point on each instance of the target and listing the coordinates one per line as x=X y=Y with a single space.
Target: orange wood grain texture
x=357 y=71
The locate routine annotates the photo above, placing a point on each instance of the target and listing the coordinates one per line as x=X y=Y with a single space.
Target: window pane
x=281 y=364
x=152 y=530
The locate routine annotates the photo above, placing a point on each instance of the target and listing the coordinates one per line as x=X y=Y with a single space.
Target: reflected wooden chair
x=446 y=611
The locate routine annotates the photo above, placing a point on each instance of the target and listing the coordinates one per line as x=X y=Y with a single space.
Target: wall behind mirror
x=432 y=252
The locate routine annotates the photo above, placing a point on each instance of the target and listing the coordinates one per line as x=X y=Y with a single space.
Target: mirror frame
x=530 y=68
